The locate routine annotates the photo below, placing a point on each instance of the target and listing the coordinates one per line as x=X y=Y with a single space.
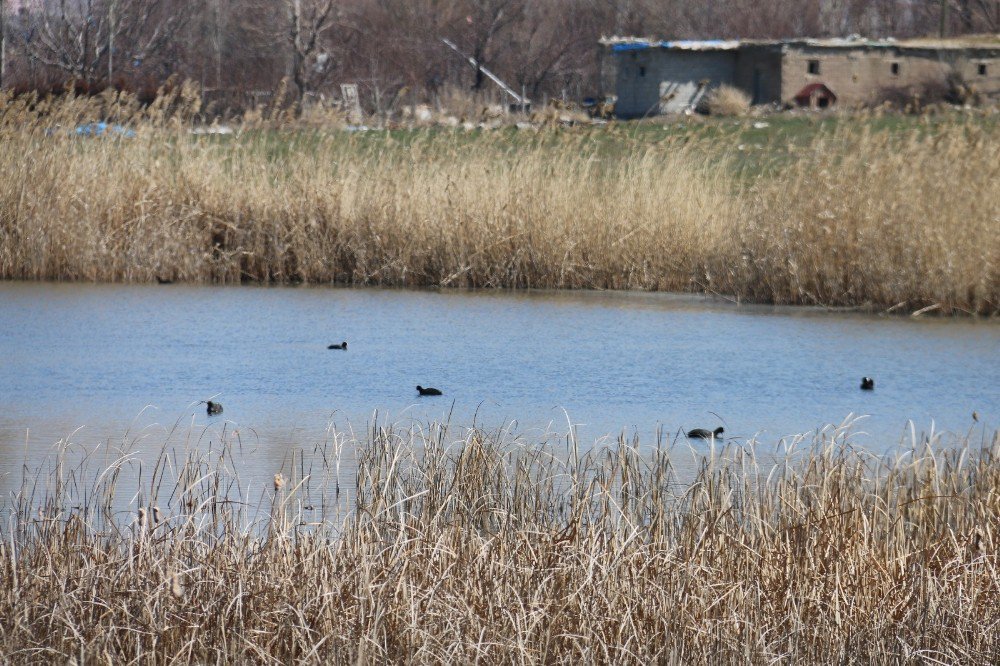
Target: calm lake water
x=83 y=362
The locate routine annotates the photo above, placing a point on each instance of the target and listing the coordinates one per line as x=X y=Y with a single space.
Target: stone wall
x=862 y=76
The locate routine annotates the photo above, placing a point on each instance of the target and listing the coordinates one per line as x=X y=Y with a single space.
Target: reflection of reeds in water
x=856 y=216
x=488 y=549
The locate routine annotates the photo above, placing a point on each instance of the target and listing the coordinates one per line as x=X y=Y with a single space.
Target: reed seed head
x=176 y=588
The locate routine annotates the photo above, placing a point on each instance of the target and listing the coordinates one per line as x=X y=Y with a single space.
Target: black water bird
x=214 y=408
x=867 y=384
x=701 y=433
x=427 y=391
x=342 y=345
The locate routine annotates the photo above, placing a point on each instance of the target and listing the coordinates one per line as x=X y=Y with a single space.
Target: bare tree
x=83 y=37
x=309 y=22
x=392 y=48
x=405 y=34
x=238 y=44
x=979 y=15
x=488 y=27
x=552 y=47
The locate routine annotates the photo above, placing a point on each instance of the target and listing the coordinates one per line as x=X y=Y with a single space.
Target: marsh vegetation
x=449 y=546
x=856 y=212
x=436 y=544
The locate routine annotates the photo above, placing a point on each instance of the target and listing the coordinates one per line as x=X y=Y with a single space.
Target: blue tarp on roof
x=634 y=46
x=680 y=45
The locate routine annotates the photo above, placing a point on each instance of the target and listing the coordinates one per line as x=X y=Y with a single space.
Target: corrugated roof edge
x=620 y=44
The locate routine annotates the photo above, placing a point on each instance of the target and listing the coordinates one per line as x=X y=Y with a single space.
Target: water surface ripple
x=76 y=355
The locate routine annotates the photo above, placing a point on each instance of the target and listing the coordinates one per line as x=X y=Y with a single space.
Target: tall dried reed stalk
x=486 y=549
x=857 y=217
x=871 y=218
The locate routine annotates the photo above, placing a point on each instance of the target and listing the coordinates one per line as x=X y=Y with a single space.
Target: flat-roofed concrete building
x=655 y=77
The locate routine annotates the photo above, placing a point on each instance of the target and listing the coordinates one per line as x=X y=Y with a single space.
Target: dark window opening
x=982 y=69
x=814 y=66
x=642 y=71
x=895 y=68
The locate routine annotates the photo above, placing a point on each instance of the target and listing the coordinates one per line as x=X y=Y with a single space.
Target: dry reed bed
x=858 y=218
x=486 y=549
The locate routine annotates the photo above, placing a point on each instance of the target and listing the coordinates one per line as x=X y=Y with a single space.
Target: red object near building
x=816 y=96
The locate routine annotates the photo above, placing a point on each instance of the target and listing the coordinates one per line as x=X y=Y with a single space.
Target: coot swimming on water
x=427 y=391
x=867 y=384
x=342 y=345
x=701 y=433
x=214 y=408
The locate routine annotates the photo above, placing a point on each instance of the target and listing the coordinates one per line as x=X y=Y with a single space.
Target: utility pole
x=521 y=100
x=944 y=18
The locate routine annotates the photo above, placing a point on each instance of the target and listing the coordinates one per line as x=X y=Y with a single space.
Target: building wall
x=652 y=81
x=758 y=73
x=660 y=80
x=988 y=83
x=860 y=76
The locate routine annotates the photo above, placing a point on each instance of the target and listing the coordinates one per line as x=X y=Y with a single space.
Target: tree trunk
x=480 y=77
x=298 y=60
x=3 y=42
x=111 y=43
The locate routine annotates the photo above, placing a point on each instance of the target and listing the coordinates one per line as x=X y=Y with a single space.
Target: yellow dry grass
x=878 y=220
x=856 y=217
x=727 y=100
x=487 y=549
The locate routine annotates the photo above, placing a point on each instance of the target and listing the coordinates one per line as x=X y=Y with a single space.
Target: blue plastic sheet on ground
x=104 y=129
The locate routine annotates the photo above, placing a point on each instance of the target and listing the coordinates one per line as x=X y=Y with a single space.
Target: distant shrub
x=949 y=89
x=727 y=101
x=959 y=91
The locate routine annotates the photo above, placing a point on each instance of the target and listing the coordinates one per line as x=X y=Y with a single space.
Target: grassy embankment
x=487 y=550
x=881 y=212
